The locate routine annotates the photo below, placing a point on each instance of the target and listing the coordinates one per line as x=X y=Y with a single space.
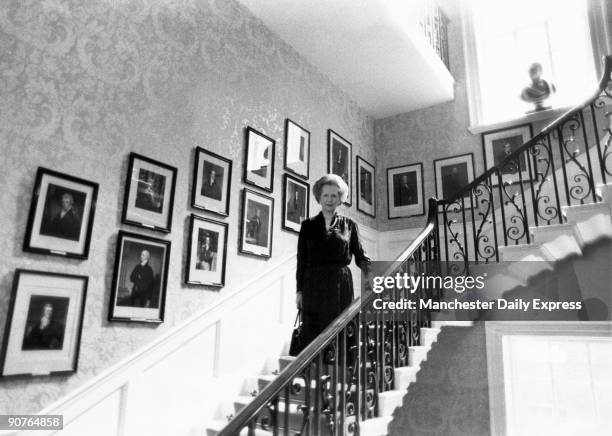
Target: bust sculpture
x=538 y=90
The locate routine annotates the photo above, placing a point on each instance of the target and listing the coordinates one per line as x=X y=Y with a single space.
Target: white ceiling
x=369 y=48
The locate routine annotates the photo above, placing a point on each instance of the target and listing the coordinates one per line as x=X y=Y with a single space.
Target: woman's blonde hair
x=333 y=180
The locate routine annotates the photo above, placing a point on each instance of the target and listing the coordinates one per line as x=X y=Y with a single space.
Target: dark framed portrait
x=139 y=278
x=366 y=194
x=256 y=224
x=212 y=178
x=498 y=144
x=61 y=215
x=452 y=174
x=297 y=149
x=296 y=203
x=339 y=156
x=43 y=328
x=259 y=160
x=405 y=192
x=149 y=194
x=207 y=252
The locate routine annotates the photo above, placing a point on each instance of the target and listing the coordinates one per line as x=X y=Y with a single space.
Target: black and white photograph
x=296 y=203
x=43 y=328
x=366 y=193
x=61 y=215
x=207 y=252
x=256 y=224
x=297 y=149
x=149 y=194
x=259 y=160
x=405 y=192
x=339 y=157
x=212 y=178
x=303 y=217
x=499 y=144
x=139 y=278
x=452 y=174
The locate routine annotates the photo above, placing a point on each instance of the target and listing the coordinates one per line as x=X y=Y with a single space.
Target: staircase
x=351 y=378
x=388 y=401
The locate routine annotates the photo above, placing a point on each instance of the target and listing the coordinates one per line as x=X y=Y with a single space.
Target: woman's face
x=330 y=198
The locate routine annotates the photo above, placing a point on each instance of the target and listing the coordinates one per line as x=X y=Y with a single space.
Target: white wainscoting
x=175 y=385
x=393 y=242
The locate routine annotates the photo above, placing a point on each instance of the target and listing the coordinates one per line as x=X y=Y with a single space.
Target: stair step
x=605 y=192
x=390 y=400
x=265 y=380
x=513 y=253
x=429 y=335
x=417 y=354
x=375 y=426
x=582 y=212
x=592 y=221
x=548 y=233
x=284 y=361
x=404 y=376
x=562 y=247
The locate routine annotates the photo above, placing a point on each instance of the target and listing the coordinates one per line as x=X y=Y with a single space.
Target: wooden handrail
x=603 y=83
x=323 y=340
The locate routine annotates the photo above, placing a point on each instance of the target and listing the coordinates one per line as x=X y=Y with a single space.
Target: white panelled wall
x=174 y=386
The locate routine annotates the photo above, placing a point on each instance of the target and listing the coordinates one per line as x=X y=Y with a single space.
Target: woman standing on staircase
x=326 y=246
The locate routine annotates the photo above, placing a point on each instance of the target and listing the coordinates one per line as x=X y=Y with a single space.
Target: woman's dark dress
x=323 y=275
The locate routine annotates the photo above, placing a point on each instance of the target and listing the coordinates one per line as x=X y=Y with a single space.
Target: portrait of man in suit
x=46 y=323
x=207 y=253
x=340 y=161
x=454 y=177
x=502 y=148
x=405 y=189
x=257 y=216
x=365 y=180
x=296 y=203
x=143 y=280
x=212 y=181
x=63 y=216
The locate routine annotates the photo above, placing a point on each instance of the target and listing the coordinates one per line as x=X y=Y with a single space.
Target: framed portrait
x=149 y=194
x=207 y=252
x=297 y=149
x=256 y=224
x=498 y=144
x=44 y=323
x=61 y=215
x=405 y=192
x=452 y=174
x=212 y=178
x=366 y=194
x=259 y=160
x=296 y=203
x=339 y=156
x=139 y=278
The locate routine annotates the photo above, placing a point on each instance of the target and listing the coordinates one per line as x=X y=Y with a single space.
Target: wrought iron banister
x=364 y=345
x=560 y=166
x=604 y=86
x=334 y=384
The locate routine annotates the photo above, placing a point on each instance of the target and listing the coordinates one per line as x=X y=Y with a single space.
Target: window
x=503 y=38
x=557 y=385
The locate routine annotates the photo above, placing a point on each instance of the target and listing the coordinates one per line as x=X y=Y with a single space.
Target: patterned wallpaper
x=85 y=82
x=427 y=134
x=432 y=133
